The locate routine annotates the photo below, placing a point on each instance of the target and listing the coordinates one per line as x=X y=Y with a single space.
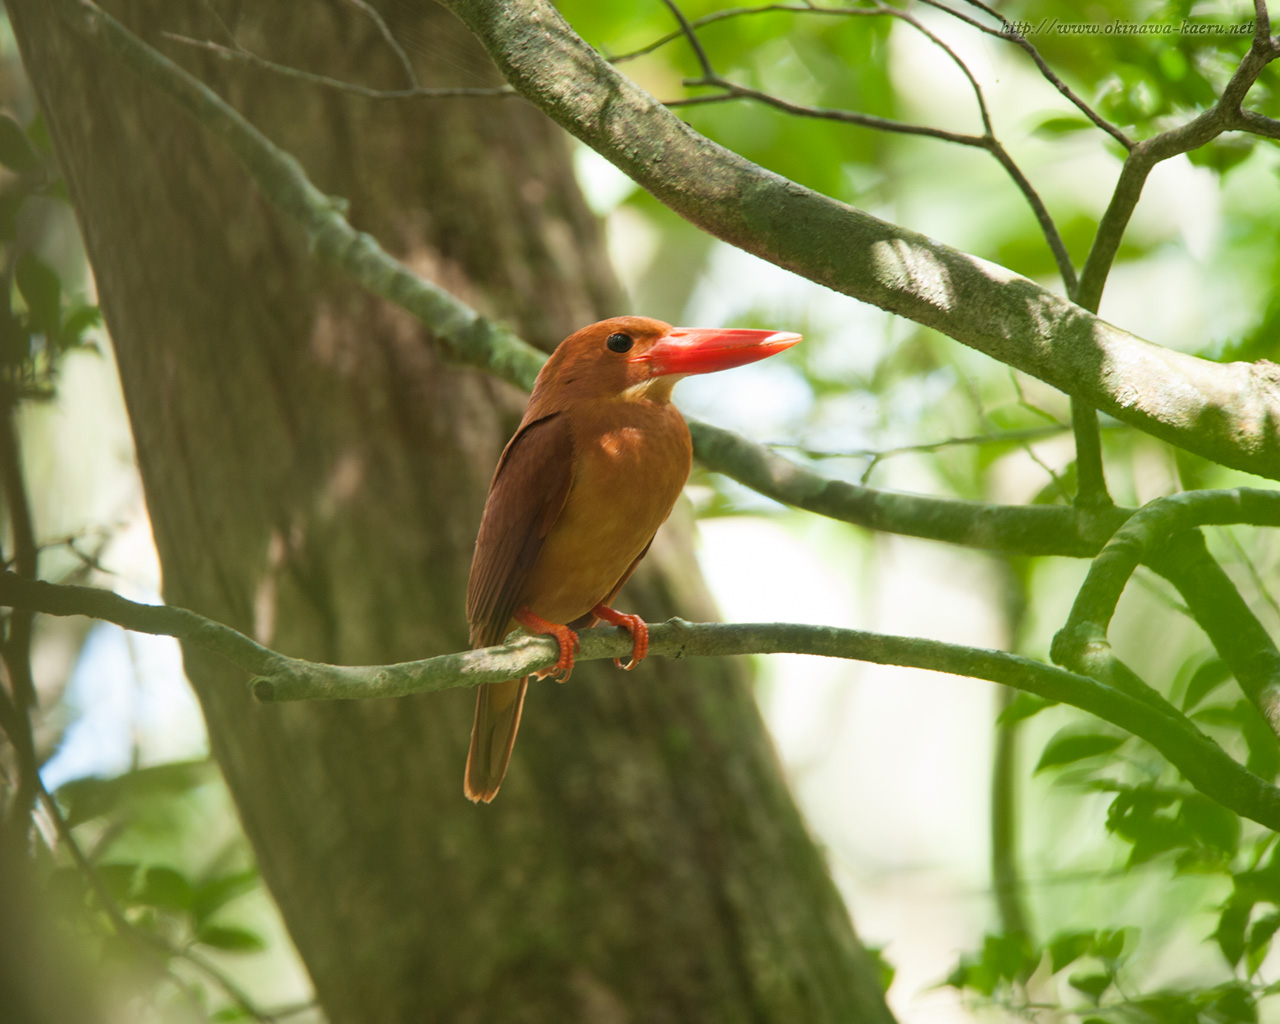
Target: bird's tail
x=493 y=736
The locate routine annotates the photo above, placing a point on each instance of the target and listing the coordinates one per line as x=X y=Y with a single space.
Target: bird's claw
x=566 y=638
x=634 y=625
x=563 y=668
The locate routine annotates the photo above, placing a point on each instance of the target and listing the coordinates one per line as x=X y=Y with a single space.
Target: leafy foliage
x=39 y=323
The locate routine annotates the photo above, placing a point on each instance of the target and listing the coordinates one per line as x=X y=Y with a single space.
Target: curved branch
x=411 y=92
x=470 y=338
x=1148 y=527
x=1228 y=412
x=1225 y=115
x=278 y=678
x=1014 y=529
x=1082 y=642
x=734 y=91
x=1008 y=32
x=1217 y=607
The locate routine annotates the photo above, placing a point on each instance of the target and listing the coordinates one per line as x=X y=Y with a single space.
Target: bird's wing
x=525 y=499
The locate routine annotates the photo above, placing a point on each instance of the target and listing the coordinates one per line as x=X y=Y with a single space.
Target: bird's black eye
x=619 y=342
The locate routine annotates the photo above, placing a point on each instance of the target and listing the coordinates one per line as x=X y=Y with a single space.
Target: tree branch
x=470 y=338
x=1007 y=31
x=1227 y=412
x=1014 y=529
x=279 y=678
x=1083 y=639
x=1217 y=607
x=237 y=52
x=1225 y=115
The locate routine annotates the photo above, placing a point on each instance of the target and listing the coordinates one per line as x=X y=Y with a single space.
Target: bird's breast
x=631 y=460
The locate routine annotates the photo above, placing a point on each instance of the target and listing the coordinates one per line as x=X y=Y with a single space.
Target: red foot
x=634 y=625
x=565 y=637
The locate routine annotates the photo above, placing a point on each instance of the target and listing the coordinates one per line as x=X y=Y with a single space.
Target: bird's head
x=638 y=357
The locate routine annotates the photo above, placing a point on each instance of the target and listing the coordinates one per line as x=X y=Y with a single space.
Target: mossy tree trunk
x=315 y=474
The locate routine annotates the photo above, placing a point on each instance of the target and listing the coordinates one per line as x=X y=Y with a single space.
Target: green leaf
x=1207 y=678
x=1234 y=1005
x=42 y=291
x=1023 y=706
x=1211 y=823
x=165 y=888
x=1110 y=945
x=77 y=321
x=1010 y=955
x=118 y=879
x=1259 y=942
x=1232 y=923
x=884 y=970
x=1223 y=154
x=1067 y=947
x=16 y=152
x=217 y=892
x=230 y=938
x=1057 y=125
x=1092 y=985
x=1071 y=745
x=974 y=975
x=93 y=797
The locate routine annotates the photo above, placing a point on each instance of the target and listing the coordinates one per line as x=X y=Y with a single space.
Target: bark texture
x=315 y=475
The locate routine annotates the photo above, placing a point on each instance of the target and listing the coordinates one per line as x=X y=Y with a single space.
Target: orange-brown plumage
x=593 y=470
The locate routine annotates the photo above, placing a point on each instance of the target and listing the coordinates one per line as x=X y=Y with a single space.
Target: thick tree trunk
x=315 y=475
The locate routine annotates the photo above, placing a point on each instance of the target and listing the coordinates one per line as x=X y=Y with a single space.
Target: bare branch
x=733 y=91
x=415 y=91
x=1007 y=31
x=1066 y=270
x=738 y=12
x=1223 y=411
x=928 y=447
x=388 y=36
x=1013 y=529
x=1262 y=23
x=1085 y=634
x=1201 y=760
x=687 y=30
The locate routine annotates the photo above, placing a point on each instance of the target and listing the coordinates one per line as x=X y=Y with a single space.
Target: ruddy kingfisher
x=593 y=470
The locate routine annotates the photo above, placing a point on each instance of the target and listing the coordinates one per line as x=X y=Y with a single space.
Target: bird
x=594 y=468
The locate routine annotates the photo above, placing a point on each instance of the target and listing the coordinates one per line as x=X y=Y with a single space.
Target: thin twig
x=1048 y=228
x=1225 y=115
x=389 y=37
x=1008 y=32
x=15 y=649
x=734 y=91
x=703 y=61
x=987 y=140
x=737 y=12
x=927 y=447
x=311 y=78
x=1091 y=481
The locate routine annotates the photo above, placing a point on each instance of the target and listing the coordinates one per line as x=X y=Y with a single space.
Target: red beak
x=686 y=350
